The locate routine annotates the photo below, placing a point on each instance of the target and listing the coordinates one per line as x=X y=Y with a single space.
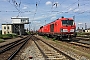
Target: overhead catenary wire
x=74 y=8
x=37 y=4
x=19 y=5
x=16 y=5
x=78 y=3
x=7 y=11
x=52 y=6
x=57 y=6
x=78 y=6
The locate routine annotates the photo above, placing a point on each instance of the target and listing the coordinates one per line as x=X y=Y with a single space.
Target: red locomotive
x=62 y=28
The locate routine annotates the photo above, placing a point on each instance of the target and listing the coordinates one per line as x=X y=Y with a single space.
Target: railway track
x=50 y=52
x=9 y=52
x=82 y=43
x=86 y=38
x=7 y=46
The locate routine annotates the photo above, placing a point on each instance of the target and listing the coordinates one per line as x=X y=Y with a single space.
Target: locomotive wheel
x=58 y=38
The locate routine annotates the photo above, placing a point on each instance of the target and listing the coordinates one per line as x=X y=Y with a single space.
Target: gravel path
x=32 y=51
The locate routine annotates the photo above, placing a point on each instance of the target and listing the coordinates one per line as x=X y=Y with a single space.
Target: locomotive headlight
x=71 y=30
x=65 y=30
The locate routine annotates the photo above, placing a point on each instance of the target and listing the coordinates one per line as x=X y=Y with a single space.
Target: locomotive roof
x=60 y=19
x=65 y=19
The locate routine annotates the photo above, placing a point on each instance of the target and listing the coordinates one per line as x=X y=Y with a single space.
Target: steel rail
x=11 y=46
x=13 y=54
x=71 y=58
x=80 y=45
x=82 y=38
x=12 y=42
x=40 y=50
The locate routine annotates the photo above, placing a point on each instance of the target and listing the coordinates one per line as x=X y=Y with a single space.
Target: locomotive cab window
x=67 y=22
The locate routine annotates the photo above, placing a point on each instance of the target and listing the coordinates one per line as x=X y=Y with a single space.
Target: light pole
x=20 y=33
x=80 y=25
x=45 y=22
x=29 y=26
x=74 y=17
x=85 y=26
x=7 y=27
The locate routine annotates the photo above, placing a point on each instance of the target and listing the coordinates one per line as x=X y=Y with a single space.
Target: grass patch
x=54 y=39
x=8 y=36
x=28 y=33
x=14 y=35
x=82 y=33
x=74 y=47
x=2 y=40
x=1 y=36
x=45 y=37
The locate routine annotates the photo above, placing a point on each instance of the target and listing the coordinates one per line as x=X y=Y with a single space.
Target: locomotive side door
x=52 y=28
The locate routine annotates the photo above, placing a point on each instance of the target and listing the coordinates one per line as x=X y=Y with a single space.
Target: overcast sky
x=40 y=10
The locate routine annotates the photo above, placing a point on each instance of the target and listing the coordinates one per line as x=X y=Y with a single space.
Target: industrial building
x=16 y=27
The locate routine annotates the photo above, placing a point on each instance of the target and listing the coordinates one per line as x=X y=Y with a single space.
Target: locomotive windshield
x=67 y=22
